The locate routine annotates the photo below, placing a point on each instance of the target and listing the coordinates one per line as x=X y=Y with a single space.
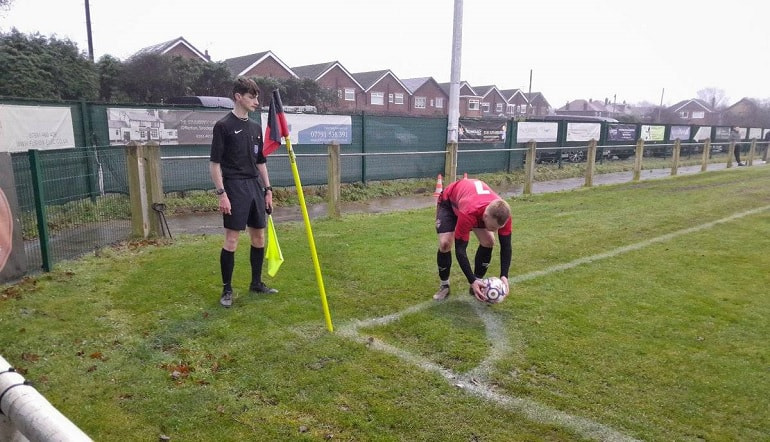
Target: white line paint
x=636 y=246
x=497 y=335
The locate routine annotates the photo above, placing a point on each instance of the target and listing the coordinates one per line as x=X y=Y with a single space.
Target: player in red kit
x=464 y=206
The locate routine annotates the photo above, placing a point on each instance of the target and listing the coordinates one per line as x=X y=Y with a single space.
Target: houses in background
x=377 y=92
x=383 y=92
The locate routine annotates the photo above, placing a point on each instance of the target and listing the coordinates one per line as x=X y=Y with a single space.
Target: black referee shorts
x=247 y=201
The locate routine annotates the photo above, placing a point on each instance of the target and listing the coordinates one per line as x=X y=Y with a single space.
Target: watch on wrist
x=220 y=191
x=270 y=188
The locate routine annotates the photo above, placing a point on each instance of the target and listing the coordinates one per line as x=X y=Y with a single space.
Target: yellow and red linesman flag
x=276 y=125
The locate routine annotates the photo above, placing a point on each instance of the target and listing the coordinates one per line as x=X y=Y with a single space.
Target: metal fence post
x=334 y=177
x=675 y=157
x=529 y=171
x=590 y=163
x=42 y=217
x=638 y=160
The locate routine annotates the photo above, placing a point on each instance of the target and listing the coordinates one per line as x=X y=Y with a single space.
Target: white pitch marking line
x=636 y=246
x=532 y=410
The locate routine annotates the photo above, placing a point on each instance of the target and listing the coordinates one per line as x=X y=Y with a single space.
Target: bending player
x=464 y=206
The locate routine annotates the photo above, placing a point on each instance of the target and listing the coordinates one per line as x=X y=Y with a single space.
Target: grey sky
x=576 y=49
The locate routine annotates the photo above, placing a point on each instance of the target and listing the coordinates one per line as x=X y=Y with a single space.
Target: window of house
x=473 y=104
x=378 y=98
x=390 y=98
x=684 y=114
x=419 y=102
x=698 y=115
x=499 y=107
x=350 y=94
x=339 y=93
x=485 y=107
x=399 y=99
x=439 y=102
x=510 y=109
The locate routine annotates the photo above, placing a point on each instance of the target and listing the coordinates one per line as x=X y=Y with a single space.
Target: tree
x=296 y=92
x=35 y=66
x=215 y=80
x=110 y=71
x=146 y=78
x=715 y=97
x=154 y=78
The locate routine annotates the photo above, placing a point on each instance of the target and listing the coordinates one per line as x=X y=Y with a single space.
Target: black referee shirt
x=237 y=146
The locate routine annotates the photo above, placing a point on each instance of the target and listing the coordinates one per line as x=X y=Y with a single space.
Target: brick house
x=332 y=75
x=261 y=64
x=586 y=108
x=493 y=102
x=470 y=101
x=538 y=105
x=384 y=92
x=744 y=112
x=428 y=99
x=693 y=111
x=516 y=102
x=178 y=46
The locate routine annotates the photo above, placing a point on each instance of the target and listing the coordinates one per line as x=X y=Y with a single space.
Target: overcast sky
x=634 y=51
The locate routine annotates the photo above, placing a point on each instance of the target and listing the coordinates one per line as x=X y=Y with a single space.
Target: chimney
x=206 y=54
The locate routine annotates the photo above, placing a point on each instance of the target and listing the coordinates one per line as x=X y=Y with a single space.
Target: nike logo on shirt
x=238 y=131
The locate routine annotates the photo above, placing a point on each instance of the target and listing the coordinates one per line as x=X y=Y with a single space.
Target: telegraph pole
x=454 y=80
x=88 y=31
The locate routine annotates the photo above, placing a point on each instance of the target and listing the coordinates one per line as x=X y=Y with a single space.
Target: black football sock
x=481 y=264
x=257 y=257
x=444 y=261
x=226 y=265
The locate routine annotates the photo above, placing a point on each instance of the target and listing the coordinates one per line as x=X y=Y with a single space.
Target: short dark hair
x=244 y=85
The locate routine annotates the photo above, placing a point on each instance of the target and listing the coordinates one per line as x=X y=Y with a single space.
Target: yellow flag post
x=308 y=229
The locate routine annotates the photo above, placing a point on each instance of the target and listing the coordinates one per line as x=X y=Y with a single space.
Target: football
x=494 y=290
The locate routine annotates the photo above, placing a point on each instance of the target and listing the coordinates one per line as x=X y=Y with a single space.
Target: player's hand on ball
x=478 y=287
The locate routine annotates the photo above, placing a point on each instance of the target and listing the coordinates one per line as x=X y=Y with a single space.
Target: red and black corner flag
x=276 y=125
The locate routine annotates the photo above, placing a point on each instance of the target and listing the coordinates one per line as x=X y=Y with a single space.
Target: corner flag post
x=276 y=111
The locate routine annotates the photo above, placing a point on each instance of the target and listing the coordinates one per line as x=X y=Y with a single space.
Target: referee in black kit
x=239 y=171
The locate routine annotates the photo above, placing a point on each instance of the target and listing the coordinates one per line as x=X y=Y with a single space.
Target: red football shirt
x=469 y=199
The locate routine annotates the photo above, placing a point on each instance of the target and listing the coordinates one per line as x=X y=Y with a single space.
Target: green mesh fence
x=85 y=190
x=85 y=199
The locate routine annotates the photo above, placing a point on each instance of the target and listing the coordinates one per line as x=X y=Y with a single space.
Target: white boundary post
x=28 y=416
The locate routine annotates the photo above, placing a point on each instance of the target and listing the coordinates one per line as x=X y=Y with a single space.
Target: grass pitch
x=639 y=311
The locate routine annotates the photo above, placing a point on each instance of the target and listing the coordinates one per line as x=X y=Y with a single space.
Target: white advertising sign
x=583 y=131
x=539 y=132
x=703 y=133
x=35 y=127
x=317 y=129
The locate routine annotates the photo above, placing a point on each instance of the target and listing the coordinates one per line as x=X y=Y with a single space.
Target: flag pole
x=309 y=232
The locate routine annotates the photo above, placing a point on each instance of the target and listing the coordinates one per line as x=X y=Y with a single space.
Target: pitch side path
x=212 y=222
